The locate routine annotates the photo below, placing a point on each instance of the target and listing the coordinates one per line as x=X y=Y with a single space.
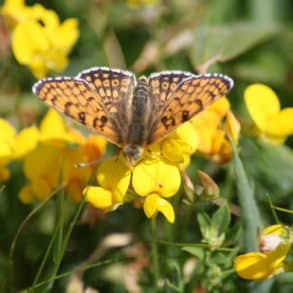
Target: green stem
x=57 y=253
x=45 y=258
x=155 y=251
x=64 y=244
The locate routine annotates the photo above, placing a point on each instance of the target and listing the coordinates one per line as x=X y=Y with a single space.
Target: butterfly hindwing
x=191 y=96
x=161 y=86
x=115 y=89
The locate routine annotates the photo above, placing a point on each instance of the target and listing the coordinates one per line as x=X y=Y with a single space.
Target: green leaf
x=221 y=219
x=204 y=222
x=249 y=211
x=271 y=168
x=226 y=42
x=195 y=251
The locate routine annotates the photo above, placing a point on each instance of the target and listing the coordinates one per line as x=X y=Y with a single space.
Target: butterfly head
x=132 y=153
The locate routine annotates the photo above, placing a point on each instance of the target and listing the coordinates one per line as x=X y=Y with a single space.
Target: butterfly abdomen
x=139 y=107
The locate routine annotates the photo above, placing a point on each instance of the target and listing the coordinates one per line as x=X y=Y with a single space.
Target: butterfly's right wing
x=95 y=98
x=191 y=96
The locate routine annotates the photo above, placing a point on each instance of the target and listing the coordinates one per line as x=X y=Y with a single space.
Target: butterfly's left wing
x=191 y=96
x=96 y=98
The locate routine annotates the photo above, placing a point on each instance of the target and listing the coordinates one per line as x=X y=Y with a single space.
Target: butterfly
x=132 y=113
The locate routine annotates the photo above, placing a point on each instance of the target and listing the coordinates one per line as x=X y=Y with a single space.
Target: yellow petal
x=261 y=102
x=6 y=152
x=279 y=125
x=94 y=147
x=154 y=204
x=43 y=162
x=42 y=188
x=278 y=256
x=26 y=194
x=274 y=229
x=156 y=176
x=28 y=40
x=66 y=35
x=232 y=126
x=26 y=141
x=260 y=266
x=99 y=197
x=114 y=175
x=71 y=157
x=217 y=141
x=206 y=124
x=7 y=132
x=178 y=146
x=137 y=3
x=4 y=174
x=48 y=17
x=53 y=127
x=172 y=150
x=188 y=135
x=220 y=107
x=252 y=266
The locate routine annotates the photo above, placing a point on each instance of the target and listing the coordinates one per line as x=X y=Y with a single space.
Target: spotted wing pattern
x=93 y=98
x=191 y=96
x=161 y=86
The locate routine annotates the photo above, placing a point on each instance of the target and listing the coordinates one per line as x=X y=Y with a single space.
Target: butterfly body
x=128 y=112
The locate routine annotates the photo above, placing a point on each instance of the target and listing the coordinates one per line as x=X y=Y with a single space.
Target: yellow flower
x=14 y=146
x=52 y=161
x=39 y=40
x=50 y=166
x=137 y=3
x=274 y=246
x=42 y=167
x=37 y=46
x=114 y=177
x=7 y=135
x=263 y=105
x=213 y=141
x=180 y=145
x=156 y=180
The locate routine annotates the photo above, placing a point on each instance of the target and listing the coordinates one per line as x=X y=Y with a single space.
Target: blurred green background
x=251 y=41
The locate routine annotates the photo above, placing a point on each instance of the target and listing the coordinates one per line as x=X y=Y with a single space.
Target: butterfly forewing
x=93 y=98
x=114 y=86
x=191 y=96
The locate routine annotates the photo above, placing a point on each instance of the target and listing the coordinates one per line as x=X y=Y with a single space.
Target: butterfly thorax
x=137 y=132
x=132 y=153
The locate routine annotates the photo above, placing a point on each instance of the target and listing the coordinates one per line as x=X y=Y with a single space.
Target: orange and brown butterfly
x=131 y=113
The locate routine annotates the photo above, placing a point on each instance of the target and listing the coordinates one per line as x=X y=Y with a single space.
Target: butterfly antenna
x=95 y=162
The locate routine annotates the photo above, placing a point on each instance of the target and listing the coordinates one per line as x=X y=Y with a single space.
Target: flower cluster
x=49 y=155
x=154 y=179
x=274 y=245
x=38 y=39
